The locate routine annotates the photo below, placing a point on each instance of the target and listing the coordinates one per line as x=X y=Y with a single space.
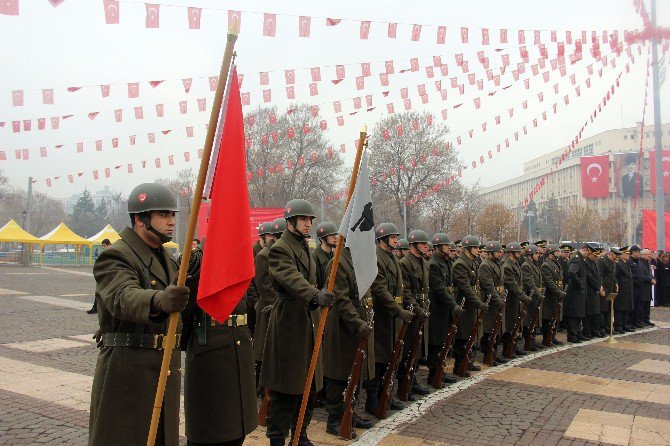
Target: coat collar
x=389 y=260
x=299 y=247
x=146 y=255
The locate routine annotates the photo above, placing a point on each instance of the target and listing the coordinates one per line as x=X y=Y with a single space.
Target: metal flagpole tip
x=364 y=129
x=234 y=28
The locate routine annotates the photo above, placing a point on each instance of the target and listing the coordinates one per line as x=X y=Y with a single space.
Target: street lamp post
x=24 y=259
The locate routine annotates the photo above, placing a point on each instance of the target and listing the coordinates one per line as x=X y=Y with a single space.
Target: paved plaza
x=588 y=394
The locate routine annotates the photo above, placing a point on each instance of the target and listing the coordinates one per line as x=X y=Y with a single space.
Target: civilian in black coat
x=663 y=281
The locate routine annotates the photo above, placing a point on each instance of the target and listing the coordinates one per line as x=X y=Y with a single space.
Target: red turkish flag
x=332 y=22
x=503 y=36
x=441 y=35
x=365 y=29
x=267 y=95
x=393 y=27
x=464 y=34
x=665 y=168
x=269 y=25
x=416 y=33
x=153 y=15
x=595 y=176
x=485 y=36
x=194 y=15
x=133 y=90
x=213 y=82
x=111 y=11
x=234 y=19
x=219 y=293
x=304 y=26
x=522 y=37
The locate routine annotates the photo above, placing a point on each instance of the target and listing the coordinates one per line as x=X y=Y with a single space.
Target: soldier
x=594 y=291
x=291 y=329
x=251 y=295
x=643 y=281
x=523 y=245
x=491 y=283
x=219 y=388
x=542 y=250
x=348 y=321
x=260 y=243
x=464 y=274
x=135 y=298
x=532 y=286
x=515 y=295
x=414 y=270
x=266 y=292
x=607 y=269
x=623 y=305
x=459 y=248
x=574 y=310
x=327 y=234
x=442 y=304
x=386 y=291
x=401 y=248
x=552 y=277
x=94 y=309
x=429 y=252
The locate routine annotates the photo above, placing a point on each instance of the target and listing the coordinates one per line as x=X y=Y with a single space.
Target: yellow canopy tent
x=62 y=235
x=172 y=246
x=108 y=232
x=13 y=233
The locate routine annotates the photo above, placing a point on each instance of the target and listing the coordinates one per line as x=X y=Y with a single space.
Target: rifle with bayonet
x=528 y=342
x=510 y=345
x=490 y=354
x=388 y=381
x=465 y=361
x=549 y=340
x=410 y=362
x=448 y=343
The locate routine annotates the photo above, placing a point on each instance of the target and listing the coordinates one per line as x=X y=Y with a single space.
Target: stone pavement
x=592 y=393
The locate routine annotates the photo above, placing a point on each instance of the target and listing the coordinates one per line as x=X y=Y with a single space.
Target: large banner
x=665 y=168
x=258 y=216
x=649 y=230
x=595 y=176
x=625 y=175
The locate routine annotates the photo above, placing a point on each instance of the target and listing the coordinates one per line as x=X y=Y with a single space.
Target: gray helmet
x=151 y=197
x=452 y=246
x=278 y=226
x=430 y=245
x=440 y=238
x=417 y=236
x=493 y=246
x=298 y=207
x=552 y=248
x=386 y=229
x=265 y=228
x=513 y=247
x=470 y=241
x=325 y=229
x=402 y=244
x=531 y=249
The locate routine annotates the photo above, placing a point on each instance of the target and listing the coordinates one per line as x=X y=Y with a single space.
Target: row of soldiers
x=496 y=294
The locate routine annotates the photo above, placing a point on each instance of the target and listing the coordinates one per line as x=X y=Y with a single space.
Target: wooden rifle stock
x=528 y=341
x=510 y=346
x=346 y=427
x=549 y=340
x=465 y=361
x=263 y=410
x=448 y=343
x=490 y=356
x=387 y=384
x=403 y=390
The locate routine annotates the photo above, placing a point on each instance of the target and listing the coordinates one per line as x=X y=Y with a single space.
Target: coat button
x=153 y=282
x=169 y=373
x=238 y=343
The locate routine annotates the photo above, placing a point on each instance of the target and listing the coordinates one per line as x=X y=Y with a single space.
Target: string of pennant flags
x=641 y=132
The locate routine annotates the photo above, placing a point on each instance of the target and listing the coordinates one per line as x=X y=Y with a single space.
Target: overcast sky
x=72 y=46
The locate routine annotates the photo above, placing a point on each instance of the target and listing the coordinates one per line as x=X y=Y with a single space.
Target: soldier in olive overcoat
x=532 y=286
x=491 y=283
x=574 y=309
x=552 y=277
x=327 y=234
x=515 y=295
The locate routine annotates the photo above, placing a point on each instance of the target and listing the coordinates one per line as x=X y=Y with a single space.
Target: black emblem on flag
x=365 y=222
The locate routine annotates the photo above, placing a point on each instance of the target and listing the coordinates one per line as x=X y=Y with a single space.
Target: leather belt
x=500 y=289
x=154 y=341
x=398 y=299
x=234 y=320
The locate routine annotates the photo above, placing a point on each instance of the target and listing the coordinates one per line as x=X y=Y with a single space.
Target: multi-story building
x=565 y=183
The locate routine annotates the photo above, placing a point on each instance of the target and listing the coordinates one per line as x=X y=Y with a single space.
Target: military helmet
x=531 y=249
x=440 y=238
x=298 y=207
x=402 y=244
x=278 y=226
x=513 y=247
x=325 y=229
x=470 y=241
x=551 y=248
x=452 y=246
x=417 y=236
x=493 y=246
x=151 y=197
x=265 y=228
x=385 y=229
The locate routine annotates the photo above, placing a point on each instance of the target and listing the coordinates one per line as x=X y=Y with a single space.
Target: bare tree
x=403 y=158
x=613 y=227
x=182 y=186
x=495 y=222
x=46 y=213
x=439 y=212
x=581 y=224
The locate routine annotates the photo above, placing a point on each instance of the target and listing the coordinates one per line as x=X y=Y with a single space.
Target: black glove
x=498 y=303
x=172 y=299
x=458 y=311
x=483 y=306
x=268 y=309
x=324 y=298
x=405 y=316
x=98 y=338
x=420 y=312
x=525 y=299
x=365 y=331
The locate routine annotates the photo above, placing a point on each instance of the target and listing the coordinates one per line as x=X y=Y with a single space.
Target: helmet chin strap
x=147 y=224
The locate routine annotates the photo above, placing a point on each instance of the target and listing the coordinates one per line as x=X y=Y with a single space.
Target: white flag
x=360 y=230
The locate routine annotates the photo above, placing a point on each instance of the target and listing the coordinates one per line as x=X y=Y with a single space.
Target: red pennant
x=194 y=15
x=364 y=30
x=392 y=28
x=269 y=25
x=153 y=15
x=304 y=26
x=111 y=8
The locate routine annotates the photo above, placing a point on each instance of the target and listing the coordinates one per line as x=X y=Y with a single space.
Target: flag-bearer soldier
x=415 y=289
x=491 y=283
x=515 y=295
x=532 y=286
x=387 y=296
x=465 y=274
x=135 y=298
x=442 y=304
x=291 y=329
x=552 y=277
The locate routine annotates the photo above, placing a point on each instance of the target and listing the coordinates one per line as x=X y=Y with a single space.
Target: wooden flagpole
x=331 y=283
x=170 y=337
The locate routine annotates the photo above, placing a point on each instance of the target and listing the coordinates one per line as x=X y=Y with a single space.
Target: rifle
x=528 y=343
x=263 y=411
x=465 y=361
x=549 y=340
x=346 y=426
x=448 y=343
x=510 y=346
x=490 y=356
x=387 y=385
x=403 y=390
